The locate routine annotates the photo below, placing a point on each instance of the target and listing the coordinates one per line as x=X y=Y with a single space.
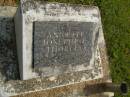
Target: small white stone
x=52 y=78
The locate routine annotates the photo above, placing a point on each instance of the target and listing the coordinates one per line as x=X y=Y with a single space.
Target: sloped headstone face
x=55 y=39
x=62 y=43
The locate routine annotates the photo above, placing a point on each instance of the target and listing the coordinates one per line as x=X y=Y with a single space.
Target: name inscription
x=62 y=43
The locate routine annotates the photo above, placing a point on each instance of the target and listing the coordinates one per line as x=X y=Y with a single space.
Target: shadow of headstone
x=8 y=53
x=106 y=87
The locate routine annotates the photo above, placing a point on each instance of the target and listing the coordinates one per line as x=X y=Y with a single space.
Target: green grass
x=116 y=26
x=116 y=21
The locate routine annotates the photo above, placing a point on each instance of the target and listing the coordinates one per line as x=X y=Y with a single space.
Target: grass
x=116 y=26
x=17 y=1
x=116 y=21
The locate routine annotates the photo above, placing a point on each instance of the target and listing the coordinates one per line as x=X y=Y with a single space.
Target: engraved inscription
x=62 y=43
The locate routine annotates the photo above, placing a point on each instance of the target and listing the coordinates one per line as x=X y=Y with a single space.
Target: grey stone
x=62 y=43
x=8 y=52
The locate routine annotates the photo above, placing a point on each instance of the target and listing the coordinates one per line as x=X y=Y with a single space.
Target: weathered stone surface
x=62 y=43
x=8 y=52
x=7 y=11
x=35 y=14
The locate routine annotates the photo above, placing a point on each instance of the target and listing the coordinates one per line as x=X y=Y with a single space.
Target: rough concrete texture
x=71 y=85
x=7 y=11
x=32 y=11
x=8 y=51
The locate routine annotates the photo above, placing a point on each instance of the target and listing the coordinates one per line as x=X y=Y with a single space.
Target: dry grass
x=8 y=2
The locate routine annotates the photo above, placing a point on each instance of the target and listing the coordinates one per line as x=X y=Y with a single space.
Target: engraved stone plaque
x=55 y=39
x=62 y=43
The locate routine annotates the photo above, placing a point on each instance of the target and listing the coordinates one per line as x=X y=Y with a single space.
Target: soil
x=65 y=91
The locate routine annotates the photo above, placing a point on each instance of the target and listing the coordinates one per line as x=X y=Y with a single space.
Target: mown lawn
x=116 y=26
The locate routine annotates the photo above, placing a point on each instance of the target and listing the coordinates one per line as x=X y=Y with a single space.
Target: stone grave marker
x=55 y=39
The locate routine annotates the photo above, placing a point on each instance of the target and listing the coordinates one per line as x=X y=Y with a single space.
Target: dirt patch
x=65 y=91
x=8 y=2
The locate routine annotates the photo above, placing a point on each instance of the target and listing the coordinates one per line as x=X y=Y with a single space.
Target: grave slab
x=63 y=85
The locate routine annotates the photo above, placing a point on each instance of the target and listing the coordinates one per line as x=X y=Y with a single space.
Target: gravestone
x=55 y=39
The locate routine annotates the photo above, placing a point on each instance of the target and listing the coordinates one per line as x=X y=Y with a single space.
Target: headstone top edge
x=41 y=2
x=68 y=4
